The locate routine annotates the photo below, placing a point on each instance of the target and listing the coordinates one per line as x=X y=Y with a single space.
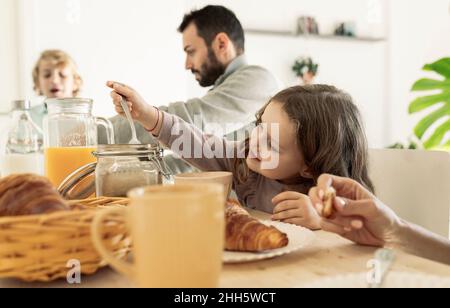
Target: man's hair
x=212 y=20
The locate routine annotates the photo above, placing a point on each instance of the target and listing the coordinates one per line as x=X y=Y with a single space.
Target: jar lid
x=123 y=150
x=74 y=100
x=21 y=105
x=69 y=105
x=80 y=184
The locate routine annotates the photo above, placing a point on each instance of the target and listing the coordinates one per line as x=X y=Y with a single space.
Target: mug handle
x=122 y=267
x=99 y=121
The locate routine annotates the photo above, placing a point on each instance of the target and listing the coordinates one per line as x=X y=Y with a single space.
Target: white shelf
x=315 y=36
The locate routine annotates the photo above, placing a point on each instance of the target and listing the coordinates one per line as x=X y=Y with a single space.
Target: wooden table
x=329 y=255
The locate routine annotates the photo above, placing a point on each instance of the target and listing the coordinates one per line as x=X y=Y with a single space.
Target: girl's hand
x=142 y=112
x=359 y=216
x=296 y=208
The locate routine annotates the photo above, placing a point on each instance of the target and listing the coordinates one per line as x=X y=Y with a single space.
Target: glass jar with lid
x=119 y=168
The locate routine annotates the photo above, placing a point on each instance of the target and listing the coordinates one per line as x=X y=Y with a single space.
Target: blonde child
x=320 y=131
x=55 y=75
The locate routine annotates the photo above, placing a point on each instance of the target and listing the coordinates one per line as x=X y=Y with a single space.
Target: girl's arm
x=203 y=151
x=206 y=152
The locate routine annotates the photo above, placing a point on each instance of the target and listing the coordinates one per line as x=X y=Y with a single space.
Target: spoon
x=134 y=139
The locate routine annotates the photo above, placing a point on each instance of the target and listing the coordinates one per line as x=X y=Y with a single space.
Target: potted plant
x=306 y=69
x=433 y=135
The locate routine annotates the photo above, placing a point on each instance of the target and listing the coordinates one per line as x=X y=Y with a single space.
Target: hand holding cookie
x=352 y=211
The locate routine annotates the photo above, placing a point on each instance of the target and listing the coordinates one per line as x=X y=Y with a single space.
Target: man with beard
x=214 y=43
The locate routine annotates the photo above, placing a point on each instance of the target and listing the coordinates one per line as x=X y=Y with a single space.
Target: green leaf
x=397 y=146
x=437 y=138
x=425 y=102
x=413 y=146
x=429 y=120
x=431 y=84
x=442 y=67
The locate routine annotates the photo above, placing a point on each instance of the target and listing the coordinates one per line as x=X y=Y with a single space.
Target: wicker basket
x=38 y=248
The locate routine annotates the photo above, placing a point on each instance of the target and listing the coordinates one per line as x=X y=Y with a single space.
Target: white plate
x=298 y=238
x=393 y=280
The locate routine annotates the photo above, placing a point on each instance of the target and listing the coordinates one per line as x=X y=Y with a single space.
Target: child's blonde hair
x=59 y=58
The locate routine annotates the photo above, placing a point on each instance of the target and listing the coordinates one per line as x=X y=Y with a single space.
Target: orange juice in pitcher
x=61 y=162
x=70 y=136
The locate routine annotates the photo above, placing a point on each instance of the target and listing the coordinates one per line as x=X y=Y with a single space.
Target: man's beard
x=210 y=71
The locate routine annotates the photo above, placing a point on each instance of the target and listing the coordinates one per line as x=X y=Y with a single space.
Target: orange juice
x=61 y=162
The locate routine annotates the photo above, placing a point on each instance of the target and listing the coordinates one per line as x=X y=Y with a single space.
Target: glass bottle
x=24 y=143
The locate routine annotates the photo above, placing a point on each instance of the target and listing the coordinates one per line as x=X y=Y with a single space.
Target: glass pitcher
x=70 y=136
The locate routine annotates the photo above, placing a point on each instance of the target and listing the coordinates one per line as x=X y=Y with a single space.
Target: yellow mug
x=178 y=236
x=223 y=178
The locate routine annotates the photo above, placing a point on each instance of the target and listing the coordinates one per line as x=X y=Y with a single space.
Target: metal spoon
x=134 y=139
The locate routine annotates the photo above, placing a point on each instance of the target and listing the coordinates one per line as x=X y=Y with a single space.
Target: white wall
x=357 y=67
x=379 y=76
x=282 y=14
x=358 y=72
x=133 y=41
x=9 y=81
x=137 y=43
x=419 y=34
x=9 y=62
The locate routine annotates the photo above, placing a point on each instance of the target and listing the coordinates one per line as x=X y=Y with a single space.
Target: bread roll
x=29 y=194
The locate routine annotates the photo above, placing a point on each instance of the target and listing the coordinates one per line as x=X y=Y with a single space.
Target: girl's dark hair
x=330 y=133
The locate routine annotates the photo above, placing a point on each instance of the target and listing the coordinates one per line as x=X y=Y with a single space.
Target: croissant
x=29 y=194
x=245 y=233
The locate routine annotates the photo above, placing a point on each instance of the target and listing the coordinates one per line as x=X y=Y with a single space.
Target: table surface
x=329 y=255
